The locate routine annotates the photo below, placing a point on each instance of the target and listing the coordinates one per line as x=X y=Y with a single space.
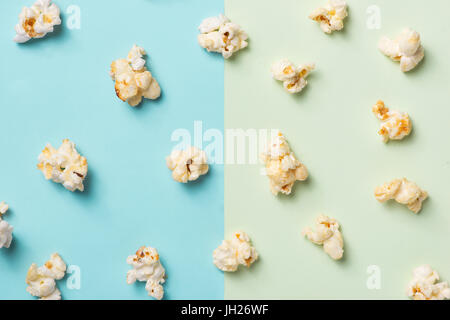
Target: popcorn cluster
x=327 y=234
x=402 y=191
x=37 y=21
x=147 y=267
x=293 y=78
x=231 y=253
x=5 y=229
x=424 y=285
x=281 y=166
x=41 y=281
x=132 y=79
x=406 y=48
x=64 y=165
x=395 y=125
x=218 y=34
x=331 y=16
x=187 y=165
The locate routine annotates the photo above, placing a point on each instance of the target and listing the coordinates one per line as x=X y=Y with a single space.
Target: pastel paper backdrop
x=59 y=87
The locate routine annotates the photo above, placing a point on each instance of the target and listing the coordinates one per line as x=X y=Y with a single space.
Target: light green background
x=332 y=130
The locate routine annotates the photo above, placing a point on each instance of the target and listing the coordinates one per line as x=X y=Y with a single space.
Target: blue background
x=59 y=87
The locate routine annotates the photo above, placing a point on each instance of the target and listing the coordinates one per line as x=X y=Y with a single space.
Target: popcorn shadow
x=245 y=272
x=306 y=90
x=293 y=197
x=157 y=102
x=12 y=251
x=55 y=36
x=409 y=139
x=419 y=67
x=88 y=184
x=139 y=290
x=200 y=181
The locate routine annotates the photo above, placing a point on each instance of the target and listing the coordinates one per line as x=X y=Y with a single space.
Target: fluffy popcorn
x=64 y=165
x=395 y=125
x=42 y=280
x=402 y=191
x=281 y=166
x=187 y=165
x=327 y=234
x=331 y=16
x=37 y=21
x=5 y=229
x=424 y=285
x=293 y=78
x=218 y=34
x=133 y=81
x=147 y=267
x=231 y=253
x=406 y=48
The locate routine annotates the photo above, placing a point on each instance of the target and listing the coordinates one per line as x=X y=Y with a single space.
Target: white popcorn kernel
x=42 y=281
x=406 y=48
x=147 y=267
x=231 y=253
x=424 y=285
x=293 y=78
x=5 y=229
x=331 y=16
x=402 y=191
x=327 y=234
x=132 y=79
x=218 y=34
x=64 y=165
x=37 y=21
x=187 y=165
x=281 y=166
x=395 y=125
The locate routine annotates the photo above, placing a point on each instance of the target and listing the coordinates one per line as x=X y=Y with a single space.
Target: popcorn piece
x=231 y=253
x=424 y=285
x=147 y=267
x=402 y=191
x=331 y=16
x=218 y=34
x=406 y=48
x=64 y=165
x=395 y=125
x=327 y=234
x=41 y=281
x=132 y=80
x=37 y=21
x=282 y=167
x=5 y=229
x=187 y=165
x=293 y=78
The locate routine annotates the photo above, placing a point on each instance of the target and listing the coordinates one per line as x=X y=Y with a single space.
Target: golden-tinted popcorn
x=293 y=78
x=42 y=280
x=281 y=166
x=64 y=165
x=148 y=268
x=5 y=229
x=231 y=253
x=187 y=165
x=424 y=285
x=132 y=79
x=37 y=21
x=327 y=234
x=395 y=125
x=406 y=48
x=219 y=34
x=402 y=191
x=331 y=16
